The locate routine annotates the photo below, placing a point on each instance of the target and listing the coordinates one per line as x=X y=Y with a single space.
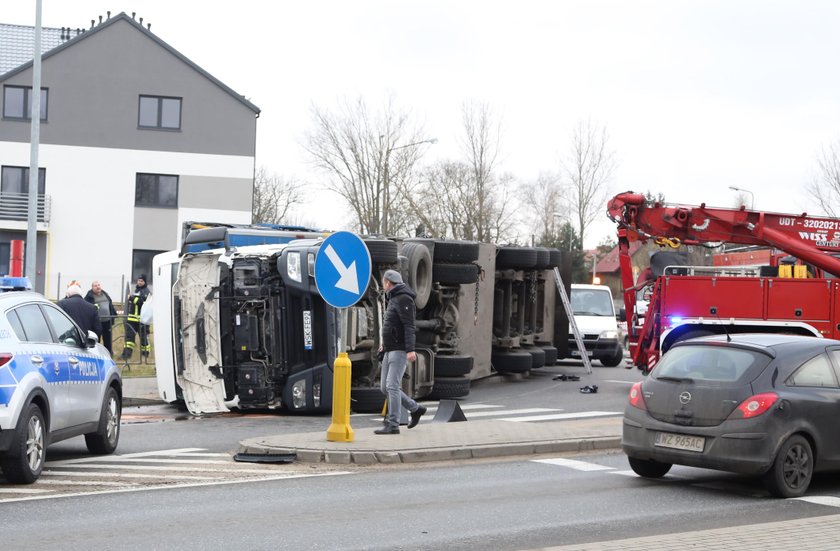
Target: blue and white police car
x=55 y=383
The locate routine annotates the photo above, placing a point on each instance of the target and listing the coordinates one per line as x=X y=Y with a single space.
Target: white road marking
x=509 y=412
x=197 y=468
x=18 y=490
x=86 y=483
x=620 y=382
x=175 y=451
x=98 y=474
x=830 y=501
x=560 y=416
x=573 y=464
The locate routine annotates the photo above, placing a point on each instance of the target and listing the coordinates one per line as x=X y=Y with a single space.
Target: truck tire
x=554 y=258
x=543 y=258
x=514 y=361
x=537 y=356
x=517 y=258
x=446 y=388
x=615 y=360
x=455 y=274
x=456 y=252
x=366 y=400
x=382 y=251
x=452 y=365
x=419 y=272
x=550 y=353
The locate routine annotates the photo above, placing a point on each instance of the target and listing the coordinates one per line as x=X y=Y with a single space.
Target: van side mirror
x=622 y=314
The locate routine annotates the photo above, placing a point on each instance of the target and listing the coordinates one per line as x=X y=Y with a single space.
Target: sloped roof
x=21 y=42
x=17 y=43
x=610 y=262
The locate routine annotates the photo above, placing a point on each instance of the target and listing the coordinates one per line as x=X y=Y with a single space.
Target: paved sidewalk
x=140 y=391
x=812 y=533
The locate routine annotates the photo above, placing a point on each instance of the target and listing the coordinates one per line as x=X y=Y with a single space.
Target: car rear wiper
x=676 y=379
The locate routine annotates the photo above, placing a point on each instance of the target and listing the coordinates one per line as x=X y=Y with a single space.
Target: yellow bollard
x=340 y=429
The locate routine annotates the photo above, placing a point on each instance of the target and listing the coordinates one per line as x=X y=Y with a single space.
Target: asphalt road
x=503 y=505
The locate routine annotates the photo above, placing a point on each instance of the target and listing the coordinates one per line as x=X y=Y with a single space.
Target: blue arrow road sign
x=342 y=269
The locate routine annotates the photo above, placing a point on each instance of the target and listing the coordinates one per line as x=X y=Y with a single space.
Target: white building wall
x=92 y=197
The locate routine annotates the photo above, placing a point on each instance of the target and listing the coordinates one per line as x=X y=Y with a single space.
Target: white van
x=595 y=317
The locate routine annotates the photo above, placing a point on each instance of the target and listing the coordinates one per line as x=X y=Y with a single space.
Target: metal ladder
x=569 y=314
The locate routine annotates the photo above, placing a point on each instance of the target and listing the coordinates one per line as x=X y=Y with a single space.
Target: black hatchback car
x=757 y=404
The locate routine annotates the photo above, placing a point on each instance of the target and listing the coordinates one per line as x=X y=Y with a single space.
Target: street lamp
x=752 y=197
x=386 y=176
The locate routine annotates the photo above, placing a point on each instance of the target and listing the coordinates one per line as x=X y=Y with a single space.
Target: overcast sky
x=696 y=95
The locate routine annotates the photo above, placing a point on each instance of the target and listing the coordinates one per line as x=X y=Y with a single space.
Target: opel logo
x=685 y=398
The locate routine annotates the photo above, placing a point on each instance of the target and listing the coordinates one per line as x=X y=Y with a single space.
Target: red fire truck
x=801 y=295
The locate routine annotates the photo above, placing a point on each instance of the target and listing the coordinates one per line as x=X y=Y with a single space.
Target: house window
x=159 y=112
x=141 y=264
x=15 y=179
x=156 y=190
x=17 y=102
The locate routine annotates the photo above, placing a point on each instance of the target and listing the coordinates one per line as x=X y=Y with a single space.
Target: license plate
x=679 y=441
x=577 y=352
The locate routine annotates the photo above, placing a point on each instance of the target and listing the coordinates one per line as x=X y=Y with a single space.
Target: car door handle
x=37 y=360
x=73 y=361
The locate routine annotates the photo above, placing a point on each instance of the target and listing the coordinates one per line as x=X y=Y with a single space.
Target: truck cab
x=595 y=316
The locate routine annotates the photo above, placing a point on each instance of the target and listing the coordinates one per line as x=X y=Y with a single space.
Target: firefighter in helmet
x=133 y=327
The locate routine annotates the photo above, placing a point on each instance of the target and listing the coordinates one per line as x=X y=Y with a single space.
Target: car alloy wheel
x=792 y=470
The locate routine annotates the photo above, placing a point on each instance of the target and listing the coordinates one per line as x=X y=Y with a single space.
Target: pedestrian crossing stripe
x=500 y=413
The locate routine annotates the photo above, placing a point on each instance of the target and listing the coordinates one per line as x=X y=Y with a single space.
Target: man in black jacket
x=84 y=314
x=398 y=345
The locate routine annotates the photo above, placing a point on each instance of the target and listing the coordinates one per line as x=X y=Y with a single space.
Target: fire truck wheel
x=419 y=272
x=382 y=251
x=543 y=258
x=455 y=274
x=518 y=258
x=514 y=361
x=446 y=388
x=614 y=361
x=452 y=365
x=456 y=252
x=550 y=353
x=366 y=400
x=537 y=356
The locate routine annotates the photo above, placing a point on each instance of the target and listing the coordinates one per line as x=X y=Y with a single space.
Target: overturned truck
x=245 y=327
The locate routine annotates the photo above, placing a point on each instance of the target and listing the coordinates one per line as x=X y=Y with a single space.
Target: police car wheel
x=107 y=436
x=24 y=461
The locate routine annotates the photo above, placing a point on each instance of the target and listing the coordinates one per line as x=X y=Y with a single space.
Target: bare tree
x=825 y=186
x=274 y=197
x=589 y=166
x=367 y=156
x=545 y=207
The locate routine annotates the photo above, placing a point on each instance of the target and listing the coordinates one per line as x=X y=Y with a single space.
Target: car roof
x=769 y=343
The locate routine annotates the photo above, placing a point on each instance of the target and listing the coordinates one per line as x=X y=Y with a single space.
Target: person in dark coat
x=101 y=300
x=398 y=345
x=84 y=314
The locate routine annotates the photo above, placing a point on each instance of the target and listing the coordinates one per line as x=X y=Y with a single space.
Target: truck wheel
x=543 y=258
x=515 y=258
x=452 y=365
x=550 y=352
x=107 y=435
x=25 y=459
x=615 y=360
x=455 y=274
x=419 y=272
x=382 y=251
x=514 y=361
x=456 y=252
x=446 y=388
x=537 y=356
x=366 y=400
x=554 y=258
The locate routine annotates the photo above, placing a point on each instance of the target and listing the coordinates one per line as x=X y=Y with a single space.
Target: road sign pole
x=340 y=429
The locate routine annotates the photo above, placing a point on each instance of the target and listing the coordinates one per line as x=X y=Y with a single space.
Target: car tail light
x=5 y=358
x=754 y=405
x=636 y=398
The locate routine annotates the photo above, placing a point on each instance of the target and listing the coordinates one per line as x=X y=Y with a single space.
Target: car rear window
x=710 y=363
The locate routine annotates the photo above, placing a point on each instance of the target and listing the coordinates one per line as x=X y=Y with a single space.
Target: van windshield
x=588 y=302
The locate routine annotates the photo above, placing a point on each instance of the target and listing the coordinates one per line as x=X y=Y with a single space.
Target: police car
x=55 y=383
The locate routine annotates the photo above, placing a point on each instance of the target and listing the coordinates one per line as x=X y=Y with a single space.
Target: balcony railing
x=15 y=206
